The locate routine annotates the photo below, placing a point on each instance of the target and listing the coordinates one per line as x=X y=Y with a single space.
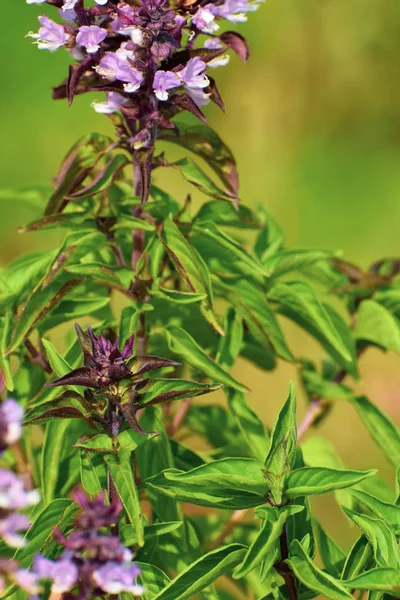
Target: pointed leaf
x=202 y=572
x=123 y=477
x=381 y=428
x=143 y=364
x=390 y=513
x=377 y=325
x=282 y=451
x=332 y=555
x=312 y=577
x=180 y=342
x=267 y=538
x=251 y=427
x=320 y=480
x=156 y=391
x=383 y=579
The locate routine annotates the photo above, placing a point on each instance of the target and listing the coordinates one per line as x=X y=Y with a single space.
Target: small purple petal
x=13 y=495
x=11 y=415
x=51 y=35
x=62 y=572
x=115 y=578
x=204 y=19
x=164 y=81
x=193 y=75
x=10 y=527
x=112 y=104
x=27 y=580
x=91 y=37
x=213 y=43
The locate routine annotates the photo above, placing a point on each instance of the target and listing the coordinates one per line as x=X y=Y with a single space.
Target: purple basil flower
x=69 y=15
x=10 y=526
x=112 y=104
x=115 y=578
x=91 y=37
x=63 y=572
x=28 y=581
x=123 y=24
x=198 y=96
x=164 y=81
x=11 y=414
x=116 y=65
x=51 y=36
x=235 y=10
x=213 y=43
x=204 y=19
x=193 y=75
x=13 y=495
x=35 y=1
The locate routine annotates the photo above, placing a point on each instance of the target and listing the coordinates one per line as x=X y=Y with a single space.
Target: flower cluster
x=94 y=563
x=143 y=52
x=13 y=497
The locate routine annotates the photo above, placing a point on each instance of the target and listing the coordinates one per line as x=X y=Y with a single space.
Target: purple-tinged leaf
x=63 y=412
x=156 y=391
x=103 y=179
x=75 y=73
x=185 y=102
x=76 y=377
x=143 y=364
x=237 y=43
x=215 y=95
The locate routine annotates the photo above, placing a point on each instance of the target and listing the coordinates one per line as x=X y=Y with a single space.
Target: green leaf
x=383 y=540
x=358 y=558
x=230 y=344
x=212 y=241
x=285 y=261
x=58 y=364
x=196 y=176
x=250 y=425
x=177 y=297
x=298 y=302
x=377 y=325
x=312 y=577
x=54 y=446
x=99 y=442
x=384 y=579
x=181 y=343
x=282 y=451
x=227 y=474
x=270 y=239
x=381 y=428
x=390 y=513
x=320 y=480
x=267 y=538
x=250 y=302
x=157 y=391
x=216 y=484
x=224 y=213
x=332 y=555
x=190 y=266
x=59 y=513
x=80 y=159
x=89 y=478
x=130 y=223
x=202 y=572
x=206 y=143
x=152 y=578
x=103 y=178
x=124 y=480
x=129 y=538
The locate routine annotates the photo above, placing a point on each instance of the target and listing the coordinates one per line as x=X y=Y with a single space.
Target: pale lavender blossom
x=10 y=526
x=113 y=103
x=198 y=96
x=213 y=43
x=91 y=36
x=118 y=26
x=35 y=1
x=27 y=580
x=69 y=4
x=11 y=414
x=204 y=19
x=193 y=75
x=51 y=36
x=116 y=65
x=13 y=494
x=235 y=10
x=69 y=15
x=219 y=61
x=164 y=81
x=114 y=578
x=63 y=572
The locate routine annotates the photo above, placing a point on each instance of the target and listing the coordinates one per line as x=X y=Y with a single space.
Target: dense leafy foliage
x=171 y=298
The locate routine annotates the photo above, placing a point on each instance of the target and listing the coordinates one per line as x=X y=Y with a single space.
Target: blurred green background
x=314 y=121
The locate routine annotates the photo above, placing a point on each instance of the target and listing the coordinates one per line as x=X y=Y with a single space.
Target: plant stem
x=235 y=518
x=23 y=468
x=283 y=569
x=37 y=357
x=179 y=416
